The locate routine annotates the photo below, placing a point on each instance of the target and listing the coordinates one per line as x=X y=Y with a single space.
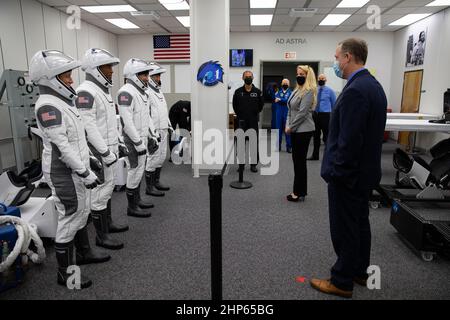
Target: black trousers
x=300 y=146
x=322 y=122
x=350 y=233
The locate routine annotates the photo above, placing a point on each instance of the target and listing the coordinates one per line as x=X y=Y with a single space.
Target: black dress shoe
x=313 y=159
x=289 y=150
x=361 y=281
x=292 y=199
x=254 y=169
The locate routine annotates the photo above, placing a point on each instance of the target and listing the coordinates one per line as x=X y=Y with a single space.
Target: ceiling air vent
x=145 y=15
x=302 y=12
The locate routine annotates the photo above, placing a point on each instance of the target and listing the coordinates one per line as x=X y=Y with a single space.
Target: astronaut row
x=82 y=145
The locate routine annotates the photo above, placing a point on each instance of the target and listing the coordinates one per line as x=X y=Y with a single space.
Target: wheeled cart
x=424 y=225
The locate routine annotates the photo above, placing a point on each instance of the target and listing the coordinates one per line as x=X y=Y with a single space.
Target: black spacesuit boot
x=112 y=226
x=133 y=209
x=159 y=185
x=150 y=178
x=85 y=254
x=103 y=239
x=64 y=257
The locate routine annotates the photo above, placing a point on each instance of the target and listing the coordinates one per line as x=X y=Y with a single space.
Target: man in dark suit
x=352 y=167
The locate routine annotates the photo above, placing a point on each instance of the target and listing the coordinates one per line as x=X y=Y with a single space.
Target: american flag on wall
x=171 y=47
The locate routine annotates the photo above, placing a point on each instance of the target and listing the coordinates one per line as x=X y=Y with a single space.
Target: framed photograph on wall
x=415 y=49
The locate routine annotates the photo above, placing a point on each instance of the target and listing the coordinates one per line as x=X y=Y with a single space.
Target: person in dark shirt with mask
x=180 y=115
x=247 y=104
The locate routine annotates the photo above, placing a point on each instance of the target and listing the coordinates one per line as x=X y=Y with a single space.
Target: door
x=412 y=91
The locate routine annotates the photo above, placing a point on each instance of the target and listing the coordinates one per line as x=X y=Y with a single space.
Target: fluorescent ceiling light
x=352 y=3
x=439 y=3
x=175 y=4
x=334 y=19
x=104 y=9
x=409 y=19
x=261 y=19
x=123 y=23
x=185 y=21
x=257 y=4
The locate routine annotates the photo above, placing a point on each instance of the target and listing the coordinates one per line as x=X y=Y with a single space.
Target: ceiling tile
x=116 y=2
x=239 y=12
x=291 y=3
x=283 y=20
x=324 y=3
x=178 y=30
x=304 y=28
x=342 y=28
x=240 y=28
x=238 y=4
x=324 y=28
x=54 y=3
x=260 y=28
x=240 y=20
x=286 y=28
x=398 y=10
x=262 y=11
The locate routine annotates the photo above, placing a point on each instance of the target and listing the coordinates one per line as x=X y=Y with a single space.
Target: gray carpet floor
x=267 y=244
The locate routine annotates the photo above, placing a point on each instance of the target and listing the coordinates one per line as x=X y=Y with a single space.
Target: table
x=413 y=116
x=416 y=126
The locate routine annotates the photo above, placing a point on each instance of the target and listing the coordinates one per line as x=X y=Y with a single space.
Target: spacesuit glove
x=123 y=150
x=89 y=179
x=110 y=159
x=141 y=149
x=152 y=145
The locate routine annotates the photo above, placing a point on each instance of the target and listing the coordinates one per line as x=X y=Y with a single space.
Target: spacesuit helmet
x=155 y=69
x=133 y=67
x=93 y=59
x=47 y=65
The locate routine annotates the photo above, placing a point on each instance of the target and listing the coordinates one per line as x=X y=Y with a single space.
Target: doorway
x=274 y=72
x=412 y=90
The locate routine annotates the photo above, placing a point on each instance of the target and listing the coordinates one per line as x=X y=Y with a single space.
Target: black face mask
x=301 y=80
x=285 y=87
x=321 y=82
x=248 y=81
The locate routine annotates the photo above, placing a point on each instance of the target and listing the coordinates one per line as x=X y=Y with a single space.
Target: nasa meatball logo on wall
x=210 y=73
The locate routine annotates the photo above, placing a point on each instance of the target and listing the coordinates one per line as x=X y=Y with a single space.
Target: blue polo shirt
x=326 y=98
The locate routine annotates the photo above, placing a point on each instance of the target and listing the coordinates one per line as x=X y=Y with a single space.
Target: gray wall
x=27 y=26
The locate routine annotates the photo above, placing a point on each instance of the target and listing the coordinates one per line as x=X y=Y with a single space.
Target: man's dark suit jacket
x=353 y=151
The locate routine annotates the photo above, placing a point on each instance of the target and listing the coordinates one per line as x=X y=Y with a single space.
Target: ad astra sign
x=290 y=41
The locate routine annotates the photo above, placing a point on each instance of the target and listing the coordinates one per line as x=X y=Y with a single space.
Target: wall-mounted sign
x=210 y=73
x=290 y=55
x=290 y=41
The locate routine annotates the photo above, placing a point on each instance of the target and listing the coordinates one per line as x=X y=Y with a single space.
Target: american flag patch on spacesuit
x=47 y=116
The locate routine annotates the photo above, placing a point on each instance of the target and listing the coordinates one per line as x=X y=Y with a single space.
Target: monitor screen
x=241 y=58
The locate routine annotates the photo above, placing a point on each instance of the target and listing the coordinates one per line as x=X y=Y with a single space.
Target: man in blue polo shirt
x=326 y=99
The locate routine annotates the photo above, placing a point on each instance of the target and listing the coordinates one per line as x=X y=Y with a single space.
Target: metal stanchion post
x=215 y=182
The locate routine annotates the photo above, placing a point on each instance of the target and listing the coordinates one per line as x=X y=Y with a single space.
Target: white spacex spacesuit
x=97 y=108
x=160 y=116
x=65 y=158
x=133 y=104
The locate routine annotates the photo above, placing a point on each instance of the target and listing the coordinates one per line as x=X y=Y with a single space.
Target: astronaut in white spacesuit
x=160 y=116
x=65 y=159
x=137 y=126
x=97 y=108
